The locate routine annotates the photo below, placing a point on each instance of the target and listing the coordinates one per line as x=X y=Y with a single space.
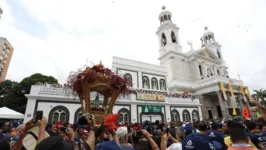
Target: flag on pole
x=258 y=114
x=243 y=93
x=224 y=93
x=234 y=112
x=231 y=89
x=248 y=93
x=245 y=112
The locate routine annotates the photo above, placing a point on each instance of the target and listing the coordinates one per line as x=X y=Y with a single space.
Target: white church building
x=198 y=72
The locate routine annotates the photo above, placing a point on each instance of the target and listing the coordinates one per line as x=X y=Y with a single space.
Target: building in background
x=6 y=51
x=185 y=86
x=1 y=11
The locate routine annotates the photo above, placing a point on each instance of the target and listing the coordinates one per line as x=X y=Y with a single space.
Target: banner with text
x=151 y=109
x=150 y=97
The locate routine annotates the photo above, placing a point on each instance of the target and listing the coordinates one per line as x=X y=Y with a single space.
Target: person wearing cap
x=197 y=141
x=238 y=137
x=256 y=136
x=215 y=135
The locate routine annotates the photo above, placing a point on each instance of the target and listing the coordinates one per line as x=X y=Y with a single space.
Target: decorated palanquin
x=103 y=81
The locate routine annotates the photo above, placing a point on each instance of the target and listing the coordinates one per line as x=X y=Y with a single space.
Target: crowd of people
x=235 y=134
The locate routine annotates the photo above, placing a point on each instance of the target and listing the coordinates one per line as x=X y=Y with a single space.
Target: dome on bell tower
x=207 y=37
x=165 y=15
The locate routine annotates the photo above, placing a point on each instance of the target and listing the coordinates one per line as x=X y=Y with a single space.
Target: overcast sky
x=54 y=37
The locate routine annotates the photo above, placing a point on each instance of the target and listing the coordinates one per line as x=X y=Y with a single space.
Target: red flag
x=110 y=121
x=245 y=112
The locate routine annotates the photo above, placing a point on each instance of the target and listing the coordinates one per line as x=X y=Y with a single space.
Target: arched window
x=169 y=17
x=165 y=17
x=218 y=54
x=200 y=69
x=124 y=116
x=164 y=41
x=146 y=82
x=173 y=36
x=161 y=19
x=186 y=116
x=175 y=115
x=58 y=113
x=218 y=72
x=154 y=83
x=129 y=78
x=78 y=114
x=162 y=84
x=209 y=71
x=195 y=115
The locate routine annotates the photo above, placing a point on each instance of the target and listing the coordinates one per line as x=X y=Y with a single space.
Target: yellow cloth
x=228 y=142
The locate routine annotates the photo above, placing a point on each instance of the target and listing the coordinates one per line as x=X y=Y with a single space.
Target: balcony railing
x=69 y=92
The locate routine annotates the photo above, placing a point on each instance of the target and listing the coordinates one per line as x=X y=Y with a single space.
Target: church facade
x=184 y=87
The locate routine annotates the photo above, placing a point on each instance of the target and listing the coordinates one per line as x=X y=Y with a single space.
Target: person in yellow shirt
x=228 y=142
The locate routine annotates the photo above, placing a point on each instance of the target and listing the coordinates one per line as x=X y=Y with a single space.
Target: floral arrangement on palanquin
x=103 y=81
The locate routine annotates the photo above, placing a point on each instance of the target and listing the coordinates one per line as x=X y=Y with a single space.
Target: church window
x=165 y=17
x=162 y=84
x=169 y=17
x=186 y=116
x=218 y=54
x=164 y=41
x=146 y=82
x=218 y=72
x=124 y=116
x=58 y=113
x=173 y=37
x=209 y=72
x=129 y=78
x=195 y=116
x=175 y=115
x=154 y=83
x=200 y=69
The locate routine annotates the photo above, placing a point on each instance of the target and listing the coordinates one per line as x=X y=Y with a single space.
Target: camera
x=138 y=134
x=83 y=120
x=63 y=129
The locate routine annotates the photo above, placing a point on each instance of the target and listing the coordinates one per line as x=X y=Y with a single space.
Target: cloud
x=97 y=30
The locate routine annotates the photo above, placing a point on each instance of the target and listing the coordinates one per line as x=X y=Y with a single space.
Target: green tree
x=27 y=82
x=12 y=94
x=260 y=94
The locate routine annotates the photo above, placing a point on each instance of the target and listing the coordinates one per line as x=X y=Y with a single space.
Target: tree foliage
x=27 y=82
x=12 y=94
x=260 y=95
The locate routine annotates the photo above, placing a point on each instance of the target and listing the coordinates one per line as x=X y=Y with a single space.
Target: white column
x=168 y=113
x=29 y=110
x=140 y=79
x=134 y=113
x=200 y=113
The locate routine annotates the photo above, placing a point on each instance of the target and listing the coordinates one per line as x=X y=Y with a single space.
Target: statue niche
x=173 y=37
x=164 y=41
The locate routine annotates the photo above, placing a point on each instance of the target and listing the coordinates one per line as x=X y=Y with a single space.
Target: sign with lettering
x=150 y=97
x=151 y=109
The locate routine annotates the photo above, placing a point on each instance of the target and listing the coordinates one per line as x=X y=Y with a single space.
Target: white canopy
x=10 y=114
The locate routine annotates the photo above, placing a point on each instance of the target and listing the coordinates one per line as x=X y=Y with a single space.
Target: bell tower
x=168 y=34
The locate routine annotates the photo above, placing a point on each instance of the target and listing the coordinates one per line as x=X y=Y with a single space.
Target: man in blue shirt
x=257 y=137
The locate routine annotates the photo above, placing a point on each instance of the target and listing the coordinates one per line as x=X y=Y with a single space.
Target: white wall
x=47 y=106
x=29 y=110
